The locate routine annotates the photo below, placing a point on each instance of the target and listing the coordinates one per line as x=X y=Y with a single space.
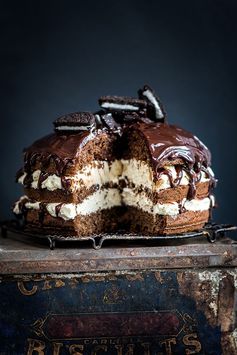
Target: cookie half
x=123 y=103
x=155 y=108
x=77 y=121
x=106 y=120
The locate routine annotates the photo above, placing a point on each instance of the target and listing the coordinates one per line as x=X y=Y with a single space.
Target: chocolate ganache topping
x=61 y=148
x=169 y=143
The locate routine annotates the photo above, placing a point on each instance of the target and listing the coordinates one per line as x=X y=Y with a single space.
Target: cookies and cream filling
x=100 y=173
x=112 y=197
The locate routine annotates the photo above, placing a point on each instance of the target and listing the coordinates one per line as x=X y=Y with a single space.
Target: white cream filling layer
x=35 y=178
x=99 y=200
x=108 y=198
x=140 y=200
x=102 y=172
x=141 y=174
x=53 y=182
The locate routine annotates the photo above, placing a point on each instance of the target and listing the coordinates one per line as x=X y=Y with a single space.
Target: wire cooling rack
x=211 y=232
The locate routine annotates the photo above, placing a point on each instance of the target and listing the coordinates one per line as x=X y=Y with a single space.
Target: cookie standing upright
x=154 y=105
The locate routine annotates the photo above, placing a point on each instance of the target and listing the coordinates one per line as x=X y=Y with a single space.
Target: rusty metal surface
x=22 y=256
x=128 y=298
x=159 y=312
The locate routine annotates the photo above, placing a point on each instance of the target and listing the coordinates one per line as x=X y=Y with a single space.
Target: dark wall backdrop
x=60 y=56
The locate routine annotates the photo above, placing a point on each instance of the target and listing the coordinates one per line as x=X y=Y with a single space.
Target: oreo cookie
x=155 y=109
x=121 y=103
x=75 y=122
x=126 y=117
x=106 y=120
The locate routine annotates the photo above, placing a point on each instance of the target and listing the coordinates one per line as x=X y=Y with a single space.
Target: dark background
x=60 y=56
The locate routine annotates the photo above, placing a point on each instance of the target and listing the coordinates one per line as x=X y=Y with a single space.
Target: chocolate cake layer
x=95 y=223
x=60 y=196
x=173 y=194
x=132 y=219
x=166 y=195
x=138 y=221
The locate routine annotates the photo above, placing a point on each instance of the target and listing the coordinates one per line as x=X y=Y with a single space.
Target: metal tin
x=125 y=299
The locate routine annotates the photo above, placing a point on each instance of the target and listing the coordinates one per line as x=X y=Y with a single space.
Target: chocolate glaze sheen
x=64 y=146
x=61 y=148
x=168 y=143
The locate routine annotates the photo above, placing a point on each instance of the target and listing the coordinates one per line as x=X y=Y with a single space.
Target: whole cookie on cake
x=121 y=168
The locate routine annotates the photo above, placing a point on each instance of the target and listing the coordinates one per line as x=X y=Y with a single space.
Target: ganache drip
x=173 y=182
x=59 y=149
x=42 y=212
x=58 y=208
x=61 y=165
x=43 y=176
x=28 y=180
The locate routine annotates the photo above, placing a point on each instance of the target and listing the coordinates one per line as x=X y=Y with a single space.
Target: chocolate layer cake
x=123 y=167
